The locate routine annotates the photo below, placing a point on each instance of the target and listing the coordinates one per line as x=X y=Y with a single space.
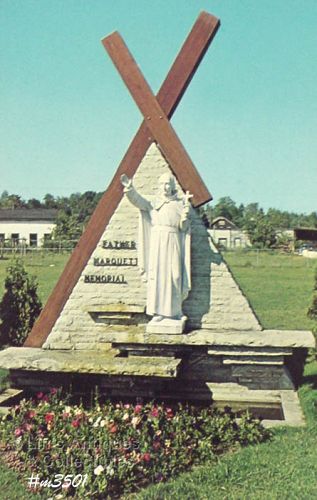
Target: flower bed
x=115 y=448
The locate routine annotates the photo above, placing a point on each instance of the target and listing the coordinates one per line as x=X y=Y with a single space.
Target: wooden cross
x=156 y=120
x=158 y=129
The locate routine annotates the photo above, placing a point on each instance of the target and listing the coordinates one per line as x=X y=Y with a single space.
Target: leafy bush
x=20 y=305
x=312 y=312
x=120 y=447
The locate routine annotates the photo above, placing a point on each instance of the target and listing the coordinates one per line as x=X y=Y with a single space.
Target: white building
x=226 y=234
x=26 y=226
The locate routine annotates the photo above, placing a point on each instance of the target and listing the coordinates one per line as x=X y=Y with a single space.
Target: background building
x=26 y=226
x=226 y=234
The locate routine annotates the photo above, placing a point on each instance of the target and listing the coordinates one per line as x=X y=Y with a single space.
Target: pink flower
x=30 y=414
x=127 y=406
x=169 y=412
x=18 y=432
x=28 y=427
x=40 y=395
x=75 y=423
x=53 y=391
x=65 y=415
x=155 y=412
x=138 y=408
x=113 y=429
x=146 y=457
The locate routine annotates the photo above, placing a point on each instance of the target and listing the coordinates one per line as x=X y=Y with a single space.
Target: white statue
x=164 y=247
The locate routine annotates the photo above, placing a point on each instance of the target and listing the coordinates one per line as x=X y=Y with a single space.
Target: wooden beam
x=172 y=90
x=157 y=122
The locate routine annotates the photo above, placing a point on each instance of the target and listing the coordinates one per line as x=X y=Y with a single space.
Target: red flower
x=155 y=412
x=49 y=417
x=30 y=414
x=146 y=457
x=113 y=429
x=75 y=423
x=18 y=432
x=138 y=409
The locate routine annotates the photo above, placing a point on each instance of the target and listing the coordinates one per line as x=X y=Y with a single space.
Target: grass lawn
x=279 y=288
x=46 y=267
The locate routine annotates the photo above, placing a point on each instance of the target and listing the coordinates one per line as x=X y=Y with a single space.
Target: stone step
x=4 y=410
x=94 y=362
x=254 y=360
x=289 y=339
x=10 y=395
x=249 y=351
x=237 y=393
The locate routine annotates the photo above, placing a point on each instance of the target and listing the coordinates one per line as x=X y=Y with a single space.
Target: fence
x=19 y=247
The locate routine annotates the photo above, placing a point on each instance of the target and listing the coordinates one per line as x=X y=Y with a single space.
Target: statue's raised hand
x=125 y=181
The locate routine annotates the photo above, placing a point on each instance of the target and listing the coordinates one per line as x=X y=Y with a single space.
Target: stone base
x=167 y=326
x=245 y=370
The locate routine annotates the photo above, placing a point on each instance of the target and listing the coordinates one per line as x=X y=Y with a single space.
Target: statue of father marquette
x=163 y=247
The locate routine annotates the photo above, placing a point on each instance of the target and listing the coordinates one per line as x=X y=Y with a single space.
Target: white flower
x=135 y=421
x=97 y=422
x=68 y=409
x=110 y=471
x=98 y=470
x=102 y=423
x=125 y=417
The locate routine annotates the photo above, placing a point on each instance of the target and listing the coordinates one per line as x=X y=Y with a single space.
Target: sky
x=248 y=119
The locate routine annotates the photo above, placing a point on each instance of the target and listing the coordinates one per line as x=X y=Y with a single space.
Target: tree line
x=265 y=229
x=75 y=210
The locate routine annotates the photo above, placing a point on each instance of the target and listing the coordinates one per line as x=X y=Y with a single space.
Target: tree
x=261 y=232
x=67 y=227
x=34 y=203
x=226 y=207
x=20 y=305
x=49 y=201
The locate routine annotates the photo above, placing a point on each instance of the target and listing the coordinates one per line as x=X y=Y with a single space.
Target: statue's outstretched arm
x=133 y=196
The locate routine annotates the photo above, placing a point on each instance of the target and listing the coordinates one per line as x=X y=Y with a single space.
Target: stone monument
x=146 y=306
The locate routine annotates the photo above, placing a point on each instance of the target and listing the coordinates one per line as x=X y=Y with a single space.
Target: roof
x=228 y=223
x=28 y=214
x=306 y=233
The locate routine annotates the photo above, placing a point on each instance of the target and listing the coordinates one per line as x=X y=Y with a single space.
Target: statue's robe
x=163 y=253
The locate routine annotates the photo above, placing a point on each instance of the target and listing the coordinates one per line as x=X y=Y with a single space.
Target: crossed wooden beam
x=155 y=127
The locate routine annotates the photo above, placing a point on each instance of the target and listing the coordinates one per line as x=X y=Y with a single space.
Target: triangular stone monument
x=104 y=319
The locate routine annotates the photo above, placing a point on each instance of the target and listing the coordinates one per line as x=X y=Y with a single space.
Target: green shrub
x=20 y=305
x=312 y=314
x=120 y=447
x=312 y=311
